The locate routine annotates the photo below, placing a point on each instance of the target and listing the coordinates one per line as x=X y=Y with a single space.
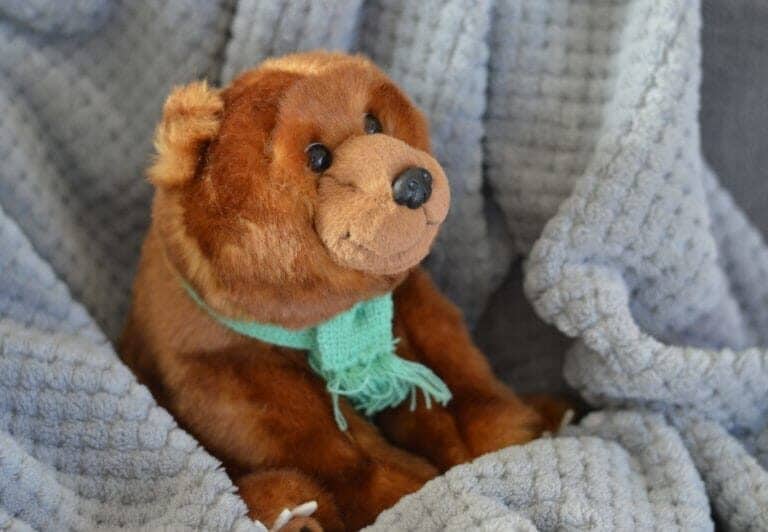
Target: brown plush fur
x=239 y=215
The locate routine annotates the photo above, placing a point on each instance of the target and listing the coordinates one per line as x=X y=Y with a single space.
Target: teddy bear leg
x=492 y=422
x=368 y=474
x=432 y=433
x=471 y=425
x=370 y=439
x=268 y=409
x=269 y=492
x=369 y=489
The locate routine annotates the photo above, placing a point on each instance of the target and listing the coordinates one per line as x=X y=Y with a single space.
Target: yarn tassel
x=384 y=381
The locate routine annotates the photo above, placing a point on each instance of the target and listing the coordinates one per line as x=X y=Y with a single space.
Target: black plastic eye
x=372 y=124
x=319 y=157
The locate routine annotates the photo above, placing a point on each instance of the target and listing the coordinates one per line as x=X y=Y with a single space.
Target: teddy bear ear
x=191 y=119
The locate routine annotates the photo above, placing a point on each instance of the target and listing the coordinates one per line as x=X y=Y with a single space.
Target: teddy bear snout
x=380 y=204
x=400 y=176
x=412 y=187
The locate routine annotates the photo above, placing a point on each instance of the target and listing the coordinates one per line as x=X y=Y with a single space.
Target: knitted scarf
x=354 y=352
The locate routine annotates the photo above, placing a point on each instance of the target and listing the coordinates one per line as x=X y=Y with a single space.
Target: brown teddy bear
x=291 y=211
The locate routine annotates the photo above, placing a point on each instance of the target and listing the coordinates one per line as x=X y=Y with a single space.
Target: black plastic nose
x=412 y=187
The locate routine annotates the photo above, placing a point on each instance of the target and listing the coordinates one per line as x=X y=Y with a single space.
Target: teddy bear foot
x=555 y=411
x=493 y=425
x=295 y=524
x=300 y=524
x=287 y=500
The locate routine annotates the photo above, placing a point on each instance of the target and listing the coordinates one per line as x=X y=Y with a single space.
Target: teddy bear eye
x=372 y=124
x=318 y=157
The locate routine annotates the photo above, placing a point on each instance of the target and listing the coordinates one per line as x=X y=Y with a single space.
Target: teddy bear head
x=304 y=186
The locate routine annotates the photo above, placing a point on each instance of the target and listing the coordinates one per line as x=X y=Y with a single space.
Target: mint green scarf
x=355 y=353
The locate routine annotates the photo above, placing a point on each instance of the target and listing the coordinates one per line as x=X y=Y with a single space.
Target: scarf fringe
x=395 y=379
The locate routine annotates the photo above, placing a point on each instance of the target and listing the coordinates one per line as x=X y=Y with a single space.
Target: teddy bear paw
x=297 y=519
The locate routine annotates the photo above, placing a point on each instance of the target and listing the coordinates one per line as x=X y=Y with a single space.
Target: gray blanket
x=570 y=133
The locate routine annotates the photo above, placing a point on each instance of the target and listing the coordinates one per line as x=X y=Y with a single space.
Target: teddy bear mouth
x=360 y=256
x=348 y=238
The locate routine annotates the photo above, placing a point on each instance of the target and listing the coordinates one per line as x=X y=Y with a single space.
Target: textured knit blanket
x=570 y=133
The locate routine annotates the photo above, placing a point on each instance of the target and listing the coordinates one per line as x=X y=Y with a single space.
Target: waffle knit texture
x=354 y=353
x=569 y=131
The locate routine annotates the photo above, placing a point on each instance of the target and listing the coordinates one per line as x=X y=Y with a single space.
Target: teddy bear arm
x=487 y=414
x=435 y=334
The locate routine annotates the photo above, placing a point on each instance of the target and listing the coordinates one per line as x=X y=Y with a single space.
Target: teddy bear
x=279 y=311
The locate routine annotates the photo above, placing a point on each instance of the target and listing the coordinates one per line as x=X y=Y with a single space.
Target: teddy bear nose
x=412 y=187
